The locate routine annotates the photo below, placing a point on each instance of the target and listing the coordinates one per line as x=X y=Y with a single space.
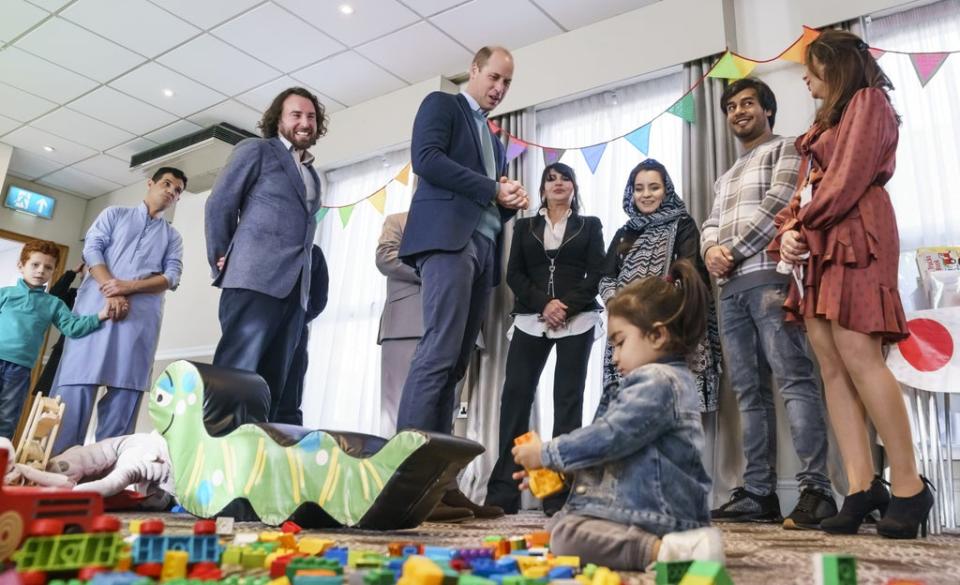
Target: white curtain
x=588 y=121
x=924 y=187
x=342 y=386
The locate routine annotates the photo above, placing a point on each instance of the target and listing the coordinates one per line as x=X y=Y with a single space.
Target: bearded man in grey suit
x=260 y=224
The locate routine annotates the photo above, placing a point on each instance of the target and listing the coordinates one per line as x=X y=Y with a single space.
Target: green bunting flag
x=685 y=108
x=345 y=213
x=321 y=213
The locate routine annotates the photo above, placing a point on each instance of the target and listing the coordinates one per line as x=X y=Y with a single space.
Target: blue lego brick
x=560 y=573
x=339 y=554
x=148 y=548
x=126 y=578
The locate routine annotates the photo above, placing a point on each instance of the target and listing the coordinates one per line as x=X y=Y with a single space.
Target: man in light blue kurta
x=134 y=256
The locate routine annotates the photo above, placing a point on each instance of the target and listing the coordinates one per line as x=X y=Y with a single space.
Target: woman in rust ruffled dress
x=840 y=235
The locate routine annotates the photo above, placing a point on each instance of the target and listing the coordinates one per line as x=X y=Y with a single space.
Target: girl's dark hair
x=678 y=301
x=567 y=172
x=269 y=124
x=848 y=66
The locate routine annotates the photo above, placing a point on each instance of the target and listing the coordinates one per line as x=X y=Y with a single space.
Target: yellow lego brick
x=124 y=563
x=269 y=536
x=419 y=570
x=280 y=581
x=312 y=545
x=135 y=526
x=525 y=563
x=583 y=579
x=566 y=561
x=696 y=580
x=174 y=565
x=605 y=576
x=536 y=572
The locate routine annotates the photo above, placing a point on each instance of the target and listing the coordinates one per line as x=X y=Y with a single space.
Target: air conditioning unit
x=200 y=155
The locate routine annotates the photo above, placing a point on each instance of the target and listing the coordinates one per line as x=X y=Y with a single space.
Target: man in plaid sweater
x=756 y=339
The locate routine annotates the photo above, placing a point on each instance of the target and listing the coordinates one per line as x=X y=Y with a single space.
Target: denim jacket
x=639 y=462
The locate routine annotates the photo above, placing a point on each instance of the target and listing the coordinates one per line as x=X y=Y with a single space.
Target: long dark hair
x=269 y=124
x=566 y=172
x=678 y=301
x=848 y=67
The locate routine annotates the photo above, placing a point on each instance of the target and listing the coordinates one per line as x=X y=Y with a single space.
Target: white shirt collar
x=307 y=157
x=473 y=104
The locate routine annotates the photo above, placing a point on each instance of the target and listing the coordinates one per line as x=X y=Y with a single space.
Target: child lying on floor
x=640 y=492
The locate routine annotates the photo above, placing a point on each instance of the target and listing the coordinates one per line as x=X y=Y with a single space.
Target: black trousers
x=288 y=411
x=525 y=361
x=260 y=333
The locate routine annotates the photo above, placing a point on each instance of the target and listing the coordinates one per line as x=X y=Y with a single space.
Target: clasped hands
x=555 y=314
x=116 y=292
x=793 y=247
x=511 y=194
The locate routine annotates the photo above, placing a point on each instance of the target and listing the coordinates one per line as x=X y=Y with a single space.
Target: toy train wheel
x=33 y=578
x=151 y=527
x=105 y=523
x=11 y=533
x=204 y=527
x=46 y=527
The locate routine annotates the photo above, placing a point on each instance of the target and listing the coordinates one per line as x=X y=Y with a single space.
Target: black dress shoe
x=456 y=499
x=449 y=514
x=906 y=515
x=856 y=507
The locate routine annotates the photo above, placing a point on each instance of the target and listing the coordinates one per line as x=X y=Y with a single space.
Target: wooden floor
x=756 y=554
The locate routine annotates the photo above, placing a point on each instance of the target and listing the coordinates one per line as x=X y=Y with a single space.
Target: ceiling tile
x=348 y=78
x=27 y=72
x=417 y=52
x=50 y=5
x=218 y=65
x=65 y=152
x=149 y=81
x=18 y=16
x=136 y=24
x=74 y=181
x=178 y=129
x=576 y=13
x=302 y=44
x=231 y=112
x=30 y=166
x=6 y=125
x=111 y=106
x=370 y=18
x=70 y=46
x=431 y=7
x=261 y=97
x=127 y=150
x=109 y=168
x=208 y=13
x=82 y=129
x=482 y=22
x=20 y=105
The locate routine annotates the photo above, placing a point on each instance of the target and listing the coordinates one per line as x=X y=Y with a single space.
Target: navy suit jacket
x=258 y=216
x=453 y=189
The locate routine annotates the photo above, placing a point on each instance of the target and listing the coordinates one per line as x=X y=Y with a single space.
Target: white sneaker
x=702 y=544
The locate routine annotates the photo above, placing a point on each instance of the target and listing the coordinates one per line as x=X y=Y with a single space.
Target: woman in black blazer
x=556 y=261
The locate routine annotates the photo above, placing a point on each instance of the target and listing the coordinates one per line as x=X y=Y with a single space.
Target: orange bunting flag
x=379 y=199
x=798 y=50
x=403 y=176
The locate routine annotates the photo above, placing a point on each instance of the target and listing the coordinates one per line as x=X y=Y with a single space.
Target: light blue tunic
x=133 y=246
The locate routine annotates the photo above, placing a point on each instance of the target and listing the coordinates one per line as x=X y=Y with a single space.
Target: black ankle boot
x=905 y=515
x=857 y=506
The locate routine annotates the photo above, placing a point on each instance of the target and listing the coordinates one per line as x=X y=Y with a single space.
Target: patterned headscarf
x=671 y=208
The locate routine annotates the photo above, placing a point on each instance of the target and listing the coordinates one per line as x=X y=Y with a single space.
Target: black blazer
x=579 y=265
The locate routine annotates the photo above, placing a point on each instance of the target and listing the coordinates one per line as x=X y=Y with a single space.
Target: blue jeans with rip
x=757 y=340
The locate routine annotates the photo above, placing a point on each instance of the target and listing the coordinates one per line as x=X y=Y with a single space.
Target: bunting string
x=729 y=66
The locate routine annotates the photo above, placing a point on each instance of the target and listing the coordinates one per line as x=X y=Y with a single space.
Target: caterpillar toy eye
x=163 y=397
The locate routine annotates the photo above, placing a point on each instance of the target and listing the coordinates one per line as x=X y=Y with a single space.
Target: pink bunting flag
x=552 y=155
x=927 y=64
x=877 y=53
x=515 y=147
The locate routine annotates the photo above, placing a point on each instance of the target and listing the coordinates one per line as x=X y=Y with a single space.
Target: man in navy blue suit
x=453 y=239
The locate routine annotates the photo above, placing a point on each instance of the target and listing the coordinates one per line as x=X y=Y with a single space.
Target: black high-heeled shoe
x=906 y=515
x=858 y=506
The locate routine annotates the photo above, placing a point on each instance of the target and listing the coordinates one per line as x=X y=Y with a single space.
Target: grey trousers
x=608 y=544
x=395 y=358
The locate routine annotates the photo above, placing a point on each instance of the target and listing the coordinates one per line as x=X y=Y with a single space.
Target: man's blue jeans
x=756 y=339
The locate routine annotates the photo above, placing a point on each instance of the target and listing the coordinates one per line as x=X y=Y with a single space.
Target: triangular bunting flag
x=345 y=213
x=403 y=176
x=640 y=139
x=877 y=53
x=321 y=213
x=592 y=155
x=552 y=155
x=494 y=127
x=515 y=147
x=731 y=66
x=927 y=64
x=798 y=50
x=379 y=199
x=685 y=108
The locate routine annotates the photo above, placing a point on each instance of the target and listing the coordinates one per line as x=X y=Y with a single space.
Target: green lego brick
x=309 y=563
x=232 y=555
x=253 y=559
x=671 y=573
x=706 y=573
x=379 y=577
x=68 y=552
x=474 y=580
x=589 y=570
x=834 y=569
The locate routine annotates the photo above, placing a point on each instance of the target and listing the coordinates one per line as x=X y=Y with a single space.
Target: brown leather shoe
x=457 y=499
x=449 y=514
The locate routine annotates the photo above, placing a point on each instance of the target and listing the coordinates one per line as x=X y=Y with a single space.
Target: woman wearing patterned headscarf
x=659 y=232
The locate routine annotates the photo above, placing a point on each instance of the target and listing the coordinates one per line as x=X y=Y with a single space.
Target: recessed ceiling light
x=346 y=9
x=168 y=93
x=49 y=148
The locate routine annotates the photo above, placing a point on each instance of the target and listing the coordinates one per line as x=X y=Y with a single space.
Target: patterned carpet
x=756 y=554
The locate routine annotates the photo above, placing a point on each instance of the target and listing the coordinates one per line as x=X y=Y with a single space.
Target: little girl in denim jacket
x=640 y=492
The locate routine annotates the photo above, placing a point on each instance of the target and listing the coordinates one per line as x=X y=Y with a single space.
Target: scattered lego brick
x=671 y=573
x=834 y=569
x=705 y=573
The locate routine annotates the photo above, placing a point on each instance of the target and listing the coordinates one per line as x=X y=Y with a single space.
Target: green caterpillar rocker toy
x=273 y=472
